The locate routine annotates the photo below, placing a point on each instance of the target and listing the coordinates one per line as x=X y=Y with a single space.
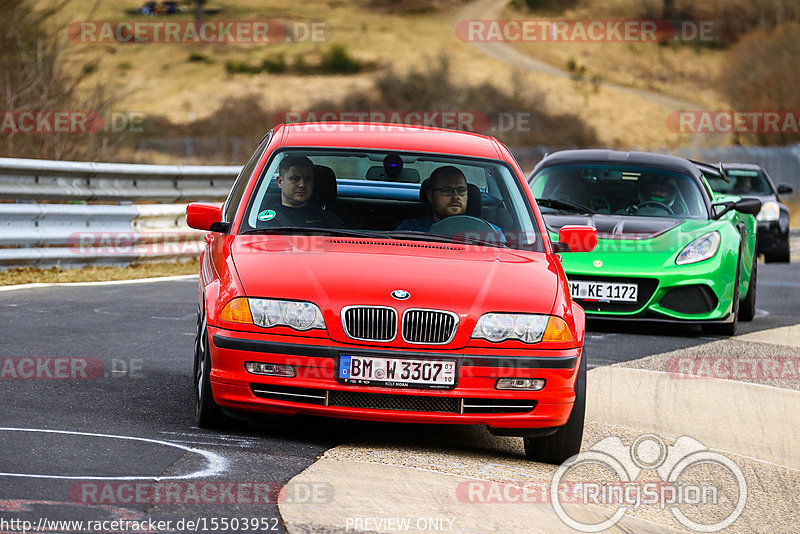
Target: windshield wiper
x=284 y=230
x=443 y=238
x=564 y=205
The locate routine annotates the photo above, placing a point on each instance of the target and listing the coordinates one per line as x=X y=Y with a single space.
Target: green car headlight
x=295 y=314
x=770 y=211
x=497 y=327
x=702 y=248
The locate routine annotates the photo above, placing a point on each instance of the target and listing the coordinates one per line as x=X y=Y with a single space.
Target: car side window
x=235 y=196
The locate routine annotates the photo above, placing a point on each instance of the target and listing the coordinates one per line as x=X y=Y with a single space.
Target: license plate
x=396 y=372
x=607 y=291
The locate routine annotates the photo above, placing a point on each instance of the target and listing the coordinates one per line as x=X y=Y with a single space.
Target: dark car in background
x=749 y=180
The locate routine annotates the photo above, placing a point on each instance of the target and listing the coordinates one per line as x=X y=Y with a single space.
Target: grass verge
x=30 y=275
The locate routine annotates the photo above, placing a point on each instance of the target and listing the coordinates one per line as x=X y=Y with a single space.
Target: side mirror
x=201 y=216
x=745 y=205
x=748 y=205
x=576 y=238
x=785 y=189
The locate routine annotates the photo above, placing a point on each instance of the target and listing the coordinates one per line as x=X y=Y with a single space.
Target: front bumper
x=701 y=293
x=773 y=237
x=315 y=389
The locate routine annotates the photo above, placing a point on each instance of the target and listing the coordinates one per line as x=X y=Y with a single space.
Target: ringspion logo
x=675 y=491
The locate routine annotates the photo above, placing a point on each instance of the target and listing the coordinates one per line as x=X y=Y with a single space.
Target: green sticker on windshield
x=266 y=215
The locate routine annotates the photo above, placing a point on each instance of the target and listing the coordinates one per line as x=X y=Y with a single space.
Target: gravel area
x=772 y=501
x=729 y=359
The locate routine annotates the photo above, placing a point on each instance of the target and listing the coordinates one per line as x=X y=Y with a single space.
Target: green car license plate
x=608 y=291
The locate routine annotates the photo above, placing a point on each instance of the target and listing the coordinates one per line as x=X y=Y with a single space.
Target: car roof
x=650 y=159
x=399 y=137
x=744 y=166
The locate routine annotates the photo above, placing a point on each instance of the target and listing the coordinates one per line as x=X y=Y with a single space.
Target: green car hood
x=628 y=244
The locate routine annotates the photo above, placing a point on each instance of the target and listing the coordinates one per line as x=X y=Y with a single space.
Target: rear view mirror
x=785 y=189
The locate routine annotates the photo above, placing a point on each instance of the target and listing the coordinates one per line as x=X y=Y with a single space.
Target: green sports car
x=669 y=248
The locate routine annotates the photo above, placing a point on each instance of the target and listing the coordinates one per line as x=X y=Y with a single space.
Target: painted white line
x=103 y=283
x=216 y=464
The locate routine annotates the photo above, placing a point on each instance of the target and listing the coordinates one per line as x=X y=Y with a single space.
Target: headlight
x=497 y=327
x=295 y=314
x=770 y=211
x=268 y=313
x=702 y=248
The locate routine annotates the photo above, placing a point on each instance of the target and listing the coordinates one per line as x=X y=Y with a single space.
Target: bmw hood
x=337 y=272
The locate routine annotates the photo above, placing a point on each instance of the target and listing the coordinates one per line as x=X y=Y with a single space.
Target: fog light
x=523 y=384
x=271 y=369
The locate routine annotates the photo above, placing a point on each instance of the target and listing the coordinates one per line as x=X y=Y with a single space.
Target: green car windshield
x=743 y=182
x=619 y=190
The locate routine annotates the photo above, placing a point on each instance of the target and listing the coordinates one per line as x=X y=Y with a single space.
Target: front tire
x=207 y=413
x=779 y=257
x=566 y=441
x=748 y=308
x=727 y=329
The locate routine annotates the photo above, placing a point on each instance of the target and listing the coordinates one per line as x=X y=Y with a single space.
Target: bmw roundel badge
x=400 y=294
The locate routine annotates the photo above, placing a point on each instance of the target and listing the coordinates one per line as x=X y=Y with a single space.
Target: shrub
x=241 y=67
x=301 y=66
x=337 y=60
x=275 y=64
x=196 y=57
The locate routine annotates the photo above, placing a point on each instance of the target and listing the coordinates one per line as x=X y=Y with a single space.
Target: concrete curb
x=737 y=417
x=428 y=500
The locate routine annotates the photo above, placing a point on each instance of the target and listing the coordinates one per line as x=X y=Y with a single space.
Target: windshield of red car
x=393 y=195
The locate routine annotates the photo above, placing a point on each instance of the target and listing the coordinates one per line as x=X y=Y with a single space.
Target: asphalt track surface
x=133 y=342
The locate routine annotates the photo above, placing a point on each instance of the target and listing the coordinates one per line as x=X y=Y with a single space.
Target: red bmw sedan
x=389 y=273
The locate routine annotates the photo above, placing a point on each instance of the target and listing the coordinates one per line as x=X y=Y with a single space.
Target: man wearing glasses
x=446 y=194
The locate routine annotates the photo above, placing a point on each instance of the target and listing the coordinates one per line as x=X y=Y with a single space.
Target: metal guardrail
x=35 y=232
x=46 y=228
x=45 y=180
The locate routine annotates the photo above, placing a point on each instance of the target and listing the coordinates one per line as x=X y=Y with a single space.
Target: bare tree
x=35 y=77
